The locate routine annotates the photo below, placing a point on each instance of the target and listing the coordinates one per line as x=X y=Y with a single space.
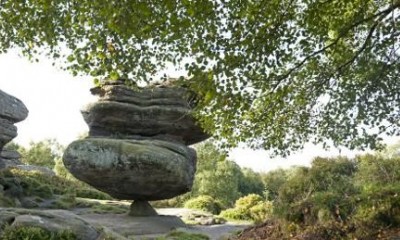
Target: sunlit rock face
x=12 y=110
x=137 y=144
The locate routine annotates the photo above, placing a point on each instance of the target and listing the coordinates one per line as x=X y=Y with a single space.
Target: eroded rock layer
x=12 y=110
x=137 y=144
x=132 y=169
x=157 y=113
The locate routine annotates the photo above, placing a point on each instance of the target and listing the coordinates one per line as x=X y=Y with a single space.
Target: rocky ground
x=153 y=227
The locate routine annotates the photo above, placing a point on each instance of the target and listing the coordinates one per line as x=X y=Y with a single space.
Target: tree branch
x=343 y=34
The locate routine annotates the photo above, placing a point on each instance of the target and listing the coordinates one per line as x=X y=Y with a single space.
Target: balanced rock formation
x=12 y=110
x=137 y=144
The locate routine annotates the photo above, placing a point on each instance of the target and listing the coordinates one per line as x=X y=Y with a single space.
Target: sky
x=54 y=99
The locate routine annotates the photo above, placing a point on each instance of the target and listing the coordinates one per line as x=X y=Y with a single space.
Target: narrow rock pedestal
x=142 y=209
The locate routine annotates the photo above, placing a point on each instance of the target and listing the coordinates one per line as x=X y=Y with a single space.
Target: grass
x=34 y=233
x=180 y=235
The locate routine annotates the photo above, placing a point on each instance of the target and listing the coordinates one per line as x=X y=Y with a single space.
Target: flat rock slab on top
x=132 y=169
x=159 y=113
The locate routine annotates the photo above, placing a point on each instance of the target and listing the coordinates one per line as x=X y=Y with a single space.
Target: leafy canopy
x=274 y=74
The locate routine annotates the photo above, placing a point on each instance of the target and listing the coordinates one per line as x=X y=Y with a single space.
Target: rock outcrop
x=50 y=220
x=10 y=158
x=12 y=110
x=137 y=144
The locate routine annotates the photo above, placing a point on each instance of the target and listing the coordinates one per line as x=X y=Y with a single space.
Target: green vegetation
x=251 y=207
x=19 y=184
x=109 y=208
x=242 y=59
x=34 y=233
x=42 y=153
x=335 y=198
x=204 y=203
x=218 y=182
x=37 y=186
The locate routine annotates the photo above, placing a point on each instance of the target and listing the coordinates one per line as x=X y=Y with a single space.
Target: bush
x=248 y=201
x=35 y=233
x=251 y=207
x=61 y=170
x=379 y=206
x=204 y=203
x=261 y=211
x=235 y=214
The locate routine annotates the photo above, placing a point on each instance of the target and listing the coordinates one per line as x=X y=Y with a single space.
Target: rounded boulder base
x=144 y=170
x=142 y=209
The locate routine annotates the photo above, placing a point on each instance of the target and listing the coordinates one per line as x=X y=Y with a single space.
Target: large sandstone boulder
x=157 y=113
x=132 y=169
x=50 y=220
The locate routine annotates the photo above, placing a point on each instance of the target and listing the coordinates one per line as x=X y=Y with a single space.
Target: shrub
x=261 y=211
x=6 y=201
x=235 y=214
x=61 y=170
x=251 y=207
x=248 y=201
x=204 y=203
x=379 y=206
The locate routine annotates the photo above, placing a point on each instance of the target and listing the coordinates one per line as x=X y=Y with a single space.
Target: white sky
x=54 y=99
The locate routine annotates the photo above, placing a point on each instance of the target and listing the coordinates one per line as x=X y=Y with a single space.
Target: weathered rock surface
x=51 y=220
x=132 y=169
x=158 y=113
x=10 y=158
x=12 y=110
x=7 y=131
x=41 y=169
